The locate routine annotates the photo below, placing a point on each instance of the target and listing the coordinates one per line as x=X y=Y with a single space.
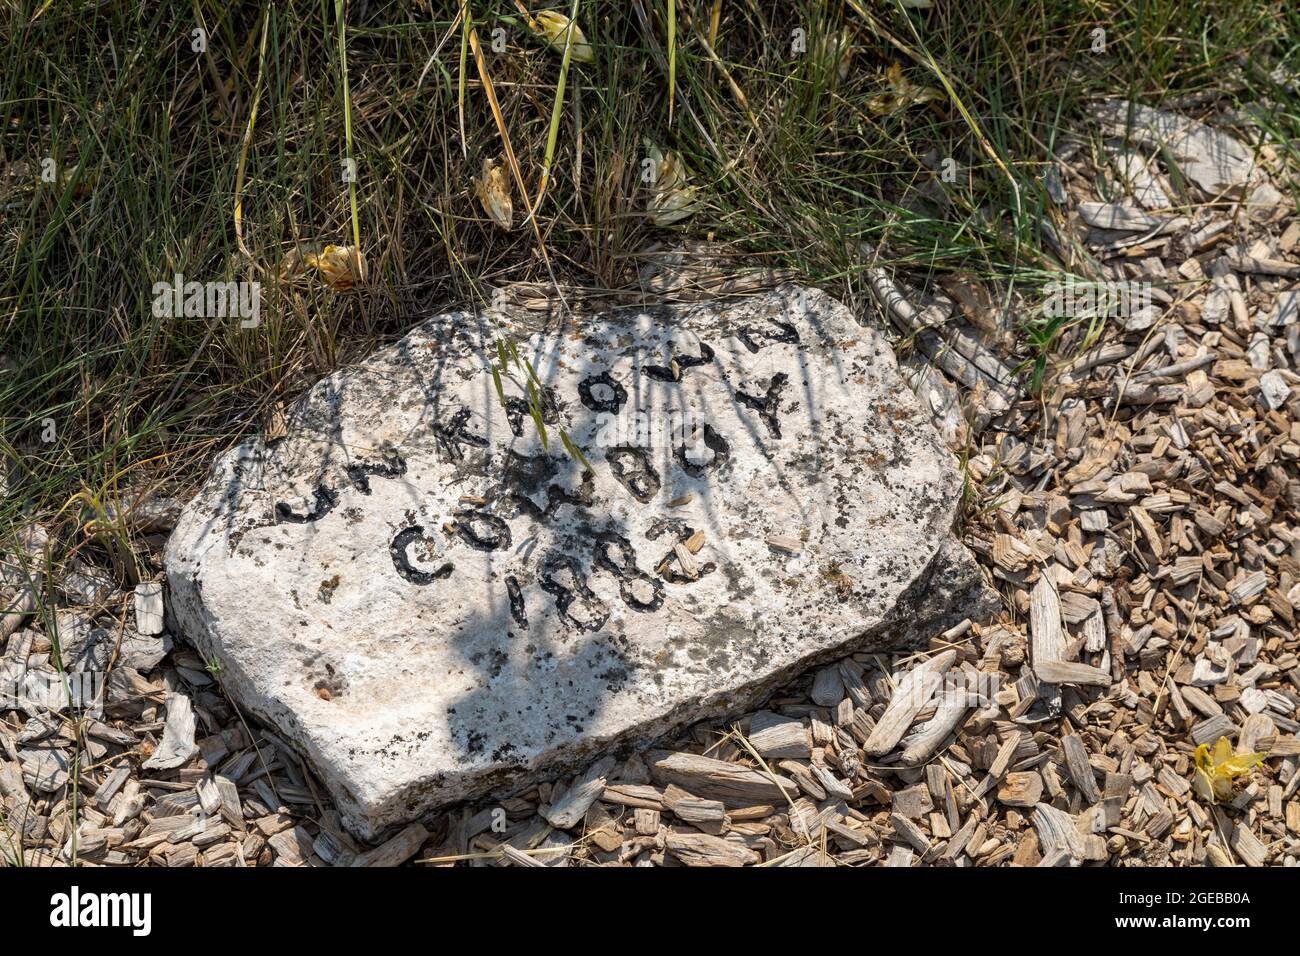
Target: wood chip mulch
x=1138 y=514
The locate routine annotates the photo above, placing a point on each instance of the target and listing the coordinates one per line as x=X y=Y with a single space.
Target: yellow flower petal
x=1203 y=784
x=672 y=199
x=1240 y=764
x=1223 y=789
x=901 y=92
x=1216 y=771
x=341 y=266
x=553 y=26
x=493 y=191
x=1203 y=761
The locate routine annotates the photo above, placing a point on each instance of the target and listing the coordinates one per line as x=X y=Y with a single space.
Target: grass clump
x=232 y=142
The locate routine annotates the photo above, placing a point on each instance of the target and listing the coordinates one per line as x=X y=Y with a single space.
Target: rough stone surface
x=431 y=605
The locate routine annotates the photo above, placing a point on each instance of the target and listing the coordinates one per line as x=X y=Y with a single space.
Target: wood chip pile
x=1138 y=514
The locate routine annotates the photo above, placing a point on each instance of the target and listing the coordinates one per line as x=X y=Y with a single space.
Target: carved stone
x=431 y=605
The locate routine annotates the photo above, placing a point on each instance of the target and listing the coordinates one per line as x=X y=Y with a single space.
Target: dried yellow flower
x=1215 y=772
x=341 y=266
x=901 y=94
x=672 y=198
x=493 y=190
x=554 y=26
